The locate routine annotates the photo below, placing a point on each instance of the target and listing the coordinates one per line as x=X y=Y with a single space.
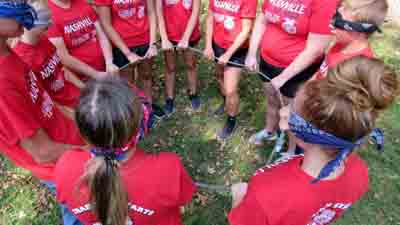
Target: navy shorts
x=290 y=88
x=238 y=57
x=120 y=59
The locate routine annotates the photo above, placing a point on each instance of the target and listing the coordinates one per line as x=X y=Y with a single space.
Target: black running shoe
x=158 y=111
x=228 y=129
x=169 y=106
x=195 y=101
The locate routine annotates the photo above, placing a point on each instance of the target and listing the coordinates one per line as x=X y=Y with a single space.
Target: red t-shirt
x=288 y=24
x=76 y=26
x=130 y=20
x=176 y=15
x=227 y=19
x=282 y=194
x=335 y=56
x=157 y=186
x=45 y=62
x=26 y=107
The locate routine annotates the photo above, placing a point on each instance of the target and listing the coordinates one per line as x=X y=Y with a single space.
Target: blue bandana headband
x=21 y=11
x=310 y=134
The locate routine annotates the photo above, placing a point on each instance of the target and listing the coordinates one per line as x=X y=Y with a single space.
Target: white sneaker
x=261 y=136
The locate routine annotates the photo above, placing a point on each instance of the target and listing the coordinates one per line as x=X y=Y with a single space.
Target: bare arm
x=257 y=34
x=104 y=13
x=194 y=17
x=161 y=21
x=106 y=49
x=72 y=62
x=209 y=29
x=151 y=11
x=315 y=47
x=71 y=77
x=42 y=148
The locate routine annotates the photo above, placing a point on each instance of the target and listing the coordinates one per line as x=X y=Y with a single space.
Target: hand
x=166 y=45
x=238 y=191
x=251 y=63
x=208 y=53
x=223 y=60
x=112 y=69
x=184 y=43
x=278 y=82
x=151 y=52
x=133 y=58
x=101 y=75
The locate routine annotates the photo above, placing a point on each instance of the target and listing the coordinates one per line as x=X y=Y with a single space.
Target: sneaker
x=158 y=111
x=220 y=110
x=169 y=106
x=195 y=101
x=261 y=136
x=227 y=131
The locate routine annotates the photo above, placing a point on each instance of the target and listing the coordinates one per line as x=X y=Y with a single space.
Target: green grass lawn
x=190 y=134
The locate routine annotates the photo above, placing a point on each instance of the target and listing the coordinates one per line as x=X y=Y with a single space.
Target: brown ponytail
x=107 y=194
x=348 y=102
x=108 y=117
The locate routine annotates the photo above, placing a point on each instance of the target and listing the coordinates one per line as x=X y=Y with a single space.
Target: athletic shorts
x=191 y=43
x=238 y=57
x=120 y=59
x=290 y=88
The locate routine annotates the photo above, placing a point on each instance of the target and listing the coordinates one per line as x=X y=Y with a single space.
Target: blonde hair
x=369 y=11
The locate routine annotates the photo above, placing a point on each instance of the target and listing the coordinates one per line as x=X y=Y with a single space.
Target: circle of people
x=67 y=117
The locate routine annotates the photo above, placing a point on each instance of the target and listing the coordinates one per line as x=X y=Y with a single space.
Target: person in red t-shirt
x=80 y=40
x=179 y=26
x=293 y=35
x=228 y=27
x=41 y=55
x=329 y=124
x=131 y=26
x=34 y=133
x=351 y=36
x=116 y=182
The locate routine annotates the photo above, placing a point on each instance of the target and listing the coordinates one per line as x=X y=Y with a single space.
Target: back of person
x=157 y=186
x=313 y=204
x=76 y=26
x=117 y=182
x=45 y=62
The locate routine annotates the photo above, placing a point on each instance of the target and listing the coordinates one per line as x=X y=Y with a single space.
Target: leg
x=231 y=82
x=170 y=65
x=145 y=75
x=273 y=107
x=219 y=73
x=190 y=60
x=292 y=143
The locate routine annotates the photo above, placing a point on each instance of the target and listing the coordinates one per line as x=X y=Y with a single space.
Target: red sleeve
x=248 y=9
x=16 y=118
x=211 y=5
x=103 y=2
x=322 y=12
x=180 y=185
x=248 y=212
x=55 y=31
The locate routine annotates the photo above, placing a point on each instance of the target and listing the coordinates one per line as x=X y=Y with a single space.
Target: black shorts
x=238 y=57
x=290 y=88
x=120 y=59
x=191 y=43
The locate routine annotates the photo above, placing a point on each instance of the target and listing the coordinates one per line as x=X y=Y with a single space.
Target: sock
x=231 y=121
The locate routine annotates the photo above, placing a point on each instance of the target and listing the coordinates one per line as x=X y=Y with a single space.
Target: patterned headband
x=310 y=134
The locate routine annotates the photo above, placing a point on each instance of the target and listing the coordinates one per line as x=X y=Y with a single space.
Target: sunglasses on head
x=340 y=23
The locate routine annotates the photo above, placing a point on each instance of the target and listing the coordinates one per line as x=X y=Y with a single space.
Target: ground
x=190 y=134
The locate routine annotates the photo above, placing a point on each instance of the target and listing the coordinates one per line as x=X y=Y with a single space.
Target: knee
x=231 y=92
x=171 y=68
x=191 y=65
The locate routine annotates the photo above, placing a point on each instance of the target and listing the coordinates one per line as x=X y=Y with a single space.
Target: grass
x=190 y=134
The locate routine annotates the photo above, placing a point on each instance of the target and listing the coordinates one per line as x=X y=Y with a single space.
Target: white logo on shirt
x=47 y=105
x=126 y=13
x=136 y=208
x=288 y=6
x=187 y=4
x=289 y=25
x=229 y=22
x=141 y=12
x=33 y=87
x=50 y=67
x=79 y=25
x=326 y=214
x=57 y=84
x=227 y=6
x=323 y=69
x=123 y=2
